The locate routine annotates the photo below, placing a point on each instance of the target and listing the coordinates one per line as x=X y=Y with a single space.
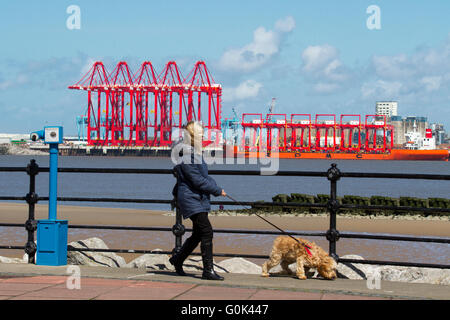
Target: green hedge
x=413 y=202
x=384 y=201
x=354 y=200
x=439 y=203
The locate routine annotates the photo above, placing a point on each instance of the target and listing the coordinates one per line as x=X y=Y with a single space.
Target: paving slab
x=37 y=280
x=285 y=295
x=21 y=281
x=11 y=293
x=155 y=291
x=23 y=286
x=85 y=292
x=216 y=293
x=333 y=296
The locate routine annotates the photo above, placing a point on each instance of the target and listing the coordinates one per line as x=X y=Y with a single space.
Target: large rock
x=152 y=261
x=392 y=273
x=195 y=264
x=238 y=265
x=160 y=262
x=355 y=271
x=12 y=260
x=89 y=258
x=415 y=275
x=277 y=270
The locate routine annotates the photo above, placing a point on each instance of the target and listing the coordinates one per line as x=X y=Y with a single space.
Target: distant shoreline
x=13 y=150
x=381 y=216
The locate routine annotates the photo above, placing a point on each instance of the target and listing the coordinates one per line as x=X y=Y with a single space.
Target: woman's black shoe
x=178 y=258
x=178 y=266
x=211 y=275
x=208 y=262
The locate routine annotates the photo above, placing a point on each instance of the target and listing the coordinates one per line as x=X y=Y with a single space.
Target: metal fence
x=333 y=174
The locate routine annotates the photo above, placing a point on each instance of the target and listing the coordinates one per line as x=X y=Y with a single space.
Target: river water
x=245 y=188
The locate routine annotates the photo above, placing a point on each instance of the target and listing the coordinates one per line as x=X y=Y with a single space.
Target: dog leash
x=307 y=247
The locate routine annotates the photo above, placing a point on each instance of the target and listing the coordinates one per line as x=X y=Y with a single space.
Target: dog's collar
x=307 y=249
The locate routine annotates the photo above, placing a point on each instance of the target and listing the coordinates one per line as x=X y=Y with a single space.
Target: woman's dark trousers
x=202 y=233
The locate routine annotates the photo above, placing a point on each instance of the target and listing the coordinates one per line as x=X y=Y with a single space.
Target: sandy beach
x=18 y=213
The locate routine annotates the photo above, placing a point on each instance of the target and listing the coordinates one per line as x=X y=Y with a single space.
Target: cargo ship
x=394 y=154
x=303 y=138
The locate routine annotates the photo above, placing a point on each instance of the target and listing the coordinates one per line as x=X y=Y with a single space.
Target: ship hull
x=395 y=154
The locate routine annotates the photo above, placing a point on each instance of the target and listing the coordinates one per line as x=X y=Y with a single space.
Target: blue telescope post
x=51 y=233
x=53 y=182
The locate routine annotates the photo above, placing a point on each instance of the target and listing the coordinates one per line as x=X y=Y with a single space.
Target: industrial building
x=404 y=125
x=386 y=108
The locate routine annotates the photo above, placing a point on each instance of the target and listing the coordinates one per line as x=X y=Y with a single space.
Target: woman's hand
x=223 y=193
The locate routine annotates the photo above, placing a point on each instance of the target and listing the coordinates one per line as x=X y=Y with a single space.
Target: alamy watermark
x=73 y=22
x=374 y=281
x=373 y=22
x=184 y=152
x=74 y=280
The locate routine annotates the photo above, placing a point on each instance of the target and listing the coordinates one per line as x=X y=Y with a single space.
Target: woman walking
x=193 y=190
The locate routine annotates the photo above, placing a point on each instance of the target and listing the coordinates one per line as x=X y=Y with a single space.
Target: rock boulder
x=238 y=265
x=89 y=258
x=392 y=273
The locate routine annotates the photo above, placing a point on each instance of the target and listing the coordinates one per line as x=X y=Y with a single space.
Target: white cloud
x=410 y=77
x=425 y=70
x=316 y=58
x=245 y=90
x=285 y=25
x=5 y=84
x=381 y=90
x=16 y=81
x=323 y=68
x=265 y=44
x=87 y=65
x=431 y=83
x=393 y=67
x=323 y=87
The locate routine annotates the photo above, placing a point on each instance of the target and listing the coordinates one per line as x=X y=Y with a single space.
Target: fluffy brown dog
x=286 y=250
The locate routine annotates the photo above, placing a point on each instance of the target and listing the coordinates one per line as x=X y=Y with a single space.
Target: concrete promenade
x=31 y=282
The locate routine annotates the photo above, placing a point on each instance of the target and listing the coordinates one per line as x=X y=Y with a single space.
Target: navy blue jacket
x=194 y=187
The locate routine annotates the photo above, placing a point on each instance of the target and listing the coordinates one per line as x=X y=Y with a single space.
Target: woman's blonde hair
x=195 y=132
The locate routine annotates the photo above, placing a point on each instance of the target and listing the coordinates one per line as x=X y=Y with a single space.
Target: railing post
x=333 y=174
x=32 y=199
x=178 y=229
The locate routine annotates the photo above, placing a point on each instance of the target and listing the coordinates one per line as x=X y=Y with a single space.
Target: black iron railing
x=333 y=174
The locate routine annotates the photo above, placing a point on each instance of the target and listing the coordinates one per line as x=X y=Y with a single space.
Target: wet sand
x=225 y=243
x=18 y=213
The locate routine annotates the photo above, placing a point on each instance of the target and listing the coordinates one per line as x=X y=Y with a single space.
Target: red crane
x=302 y=124
x=120 y=104
x=254 y=128
x=350 y=126
x=325 y=125
x=276 y=128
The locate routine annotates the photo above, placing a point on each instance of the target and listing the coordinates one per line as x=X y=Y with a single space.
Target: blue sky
x=312 y=56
